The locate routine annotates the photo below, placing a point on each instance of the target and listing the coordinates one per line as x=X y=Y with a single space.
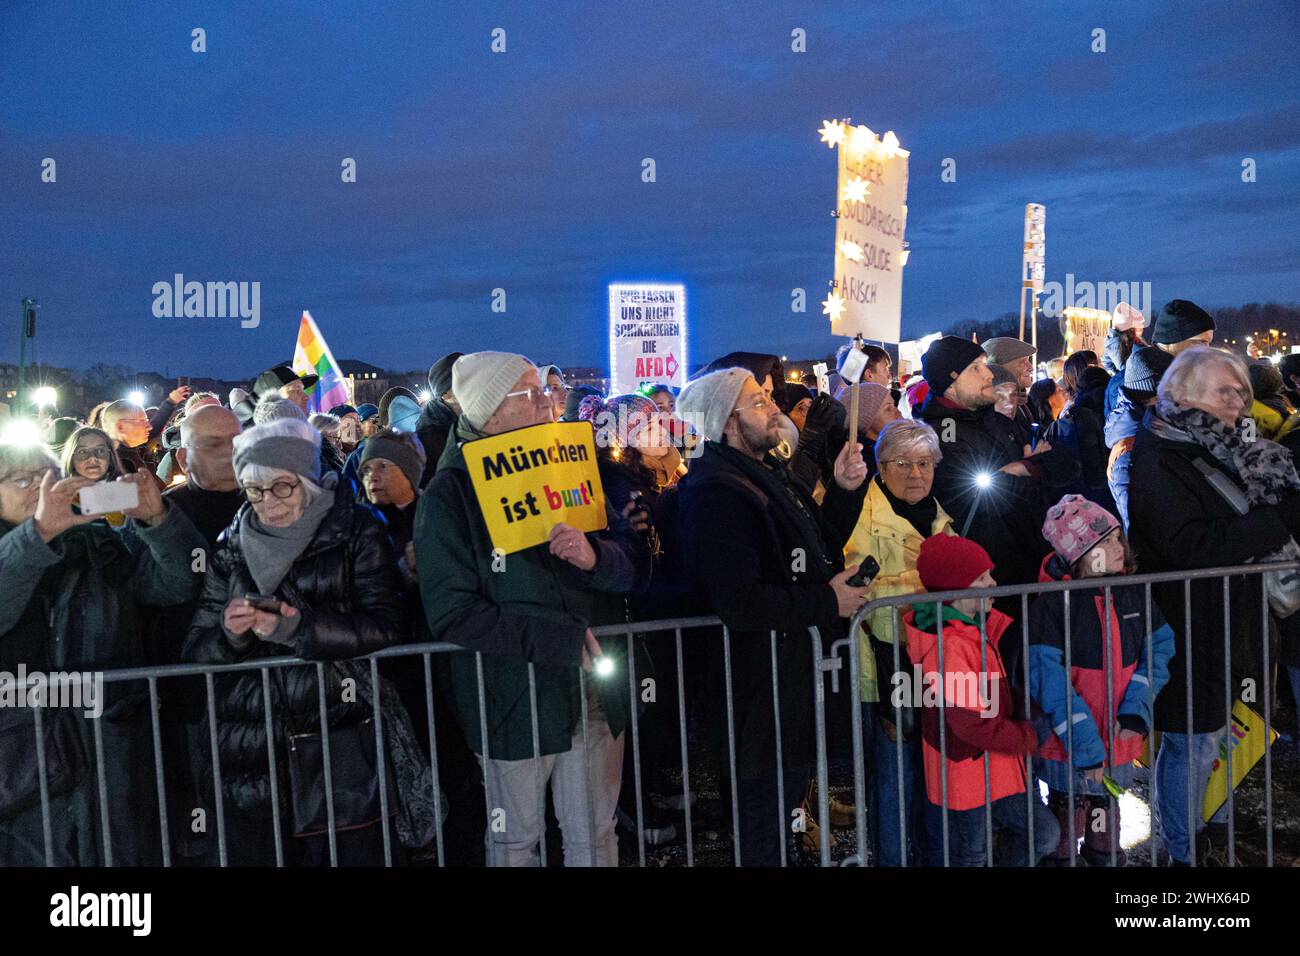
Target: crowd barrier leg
x=272 y=766
x=686 y=769
x=433 y=748
x=781 y=818
x=218 y=800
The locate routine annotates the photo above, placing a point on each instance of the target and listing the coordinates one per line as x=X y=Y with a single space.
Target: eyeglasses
x=556 y=389
x=98 y=451
x=923 y=465
x=761 y=403
x=534 y=394
x=281 y=489
x=23 y=480
x=1227 y=393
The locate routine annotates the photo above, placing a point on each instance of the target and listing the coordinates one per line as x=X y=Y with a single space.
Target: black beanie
x=946 y=359
x=1180 y=320
x=1143 y=371
x=440 y=375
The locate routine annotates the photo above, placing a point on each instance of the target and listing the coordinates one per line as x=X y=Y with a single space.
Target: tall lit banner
x=1032 y=266
x=870 y=221
x=647 y=335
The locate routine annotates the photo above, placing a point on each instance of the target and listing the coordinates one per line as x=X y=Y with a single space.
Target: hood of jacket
x=436 y=414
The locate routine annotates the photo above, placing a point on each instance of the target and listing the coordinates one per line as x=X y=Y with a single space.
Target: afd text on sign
x=647 y=335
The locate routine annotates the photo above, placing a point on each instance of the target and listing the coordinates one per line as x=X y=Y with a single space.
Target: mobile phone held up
x=264 y=602
x=867 y=571
x=105 y=497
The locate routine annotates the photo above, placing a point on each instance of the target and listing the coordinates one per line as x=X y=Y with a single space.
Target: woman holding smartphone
x=71 y=597
x=89 y=453
x=305 y=571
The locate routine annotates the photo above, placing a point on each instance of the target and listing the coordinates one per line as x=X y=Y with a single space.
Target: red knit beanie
x=950 y=563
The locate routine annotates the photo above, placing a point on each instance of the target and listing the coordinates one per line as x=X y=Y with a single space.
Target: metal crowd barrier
x=825 y=662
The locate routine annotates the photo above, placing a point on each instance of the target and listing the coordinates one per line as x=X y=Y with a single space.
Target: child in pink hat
x=1088 y=742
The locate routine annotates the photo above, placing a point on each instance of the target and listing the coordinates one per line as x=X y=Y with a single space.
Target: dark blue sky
x=523 y=170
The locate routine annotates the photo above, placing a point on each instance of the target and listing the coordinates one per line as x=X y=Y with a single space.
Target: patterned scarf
x=1264 y=467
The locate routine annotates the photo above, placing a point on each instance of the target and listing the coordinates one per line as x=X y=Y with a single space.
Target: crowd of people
x=262 y=532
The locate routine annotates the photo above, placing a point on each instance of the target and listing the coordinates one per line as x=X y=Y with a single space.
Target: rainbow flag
x=312 y=355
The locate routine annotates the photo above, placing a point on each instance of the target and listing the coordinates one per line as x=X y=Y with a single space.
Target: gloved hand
x=821 y=414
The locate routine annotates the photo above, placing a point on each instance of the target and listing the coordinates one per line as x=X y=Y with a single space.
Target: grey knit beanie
x=285 y=443
x=708 y=401
x=481 y=380
x=403 y=449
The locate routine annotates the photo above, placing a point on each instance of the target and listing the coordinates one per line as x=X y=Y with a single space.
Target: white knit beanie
x=480 y=381
x=708 y=401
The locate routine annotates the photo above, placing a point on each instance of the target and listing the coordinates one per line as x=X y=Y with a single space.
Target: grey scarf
x=271 y=552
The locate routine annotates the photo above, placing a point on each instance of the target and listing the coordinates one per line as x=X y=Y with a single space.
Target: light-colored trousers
x=515 y=816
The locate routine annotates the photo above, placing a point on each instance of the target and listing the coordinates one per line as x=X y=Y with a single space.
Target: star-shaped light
x=856 y=189
x=851 y=250
x=861 y=140
x=832 y=132
x=889 y=142
x=833 y=306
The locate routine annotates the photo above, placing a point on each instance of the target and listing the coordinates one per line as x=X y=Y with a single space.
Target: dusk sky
x=522 y=170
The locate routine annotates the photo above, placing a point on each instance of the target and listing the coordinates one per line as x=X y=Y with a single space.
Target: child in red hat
x=978 y=717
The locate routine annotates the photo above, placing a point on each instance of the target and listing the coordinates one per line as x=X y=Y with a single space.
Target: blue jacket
x=1124 y=421
x=1079 y=699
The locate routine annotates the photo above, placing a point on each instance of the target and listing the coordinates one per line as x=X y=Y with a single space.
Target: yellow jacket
x=1270 y=423
x=893 y=542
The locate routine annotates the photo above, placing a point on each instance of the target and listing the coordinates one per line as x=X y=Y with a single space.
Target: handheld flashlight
x=602 y=666
x=1113 y=788
x=983 y=479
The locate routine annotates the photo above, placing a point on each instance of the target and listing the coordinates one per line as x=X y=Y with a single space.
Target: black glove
x=821 y=414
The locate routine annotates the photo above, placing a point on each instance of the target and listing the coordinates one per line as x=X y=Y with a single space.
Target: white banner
x=647 y=335
x=872 y=206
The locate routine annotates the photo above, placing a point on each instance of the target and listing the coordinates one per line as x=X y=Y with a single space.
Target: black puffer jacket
x=348 y=590
x=1179 y=522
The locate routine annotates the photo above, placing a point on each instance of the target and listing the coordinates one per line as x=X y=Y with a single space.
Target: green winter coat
x=537 y=609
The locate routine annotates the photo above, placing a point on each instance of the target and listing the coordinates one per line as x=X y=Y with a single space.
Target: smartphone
x=108 y=496
x=867 y=571
x=183 y=381
x=264 y=602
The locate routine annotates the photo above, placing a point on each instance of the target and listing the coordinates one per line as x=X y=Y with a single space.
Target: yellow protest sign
x=531 y=479
x=1245 y=738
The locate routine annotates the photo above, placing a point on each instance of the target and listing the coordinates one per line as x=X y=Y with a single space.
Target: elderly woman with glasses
x=898 y=513
x=305 y=571
x=72 y=593
x=1206 y=491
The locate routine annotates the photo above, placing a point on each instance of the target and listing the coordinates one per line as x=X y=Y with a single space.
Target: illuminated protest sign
x=531 y=479
x=871 y=217
x=647 y=335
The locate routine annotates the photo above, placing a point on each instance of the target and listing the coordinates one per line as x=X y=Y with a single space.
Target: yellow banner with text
x=531 y=479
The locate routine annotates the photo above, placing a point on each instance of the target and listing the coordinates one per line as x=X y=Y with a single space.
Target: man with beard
x=755 y=543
